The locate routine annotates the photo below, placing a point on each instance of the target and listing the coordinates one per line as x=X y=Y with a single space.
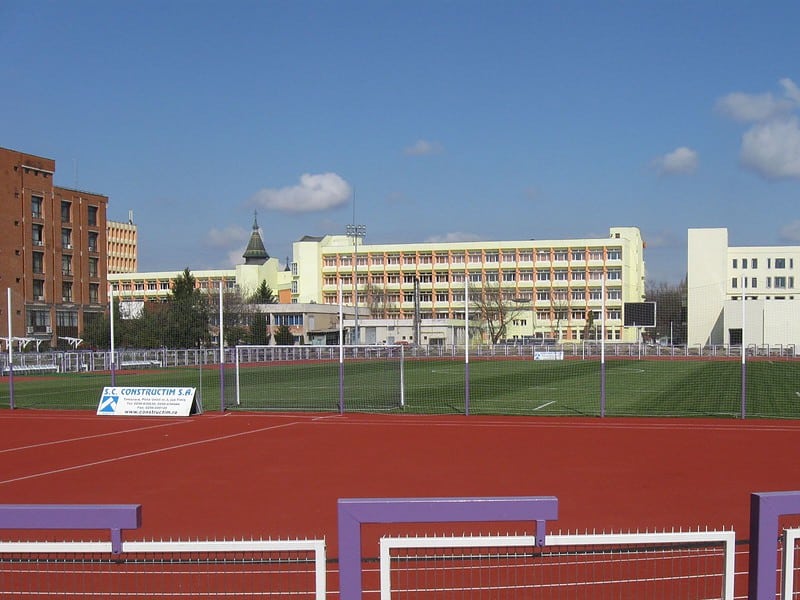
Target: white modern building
x=746 y=293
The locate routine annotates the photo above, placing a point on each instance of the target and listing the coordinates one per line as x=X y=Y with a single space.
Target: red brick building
x=52 y=251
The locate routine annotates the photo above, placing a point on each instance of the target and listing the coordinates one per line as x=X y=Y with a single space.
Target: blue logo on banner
x=108 y=403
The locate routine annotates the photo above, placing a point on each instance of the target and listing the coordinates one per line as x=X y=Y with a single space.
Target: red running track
x=280 y=475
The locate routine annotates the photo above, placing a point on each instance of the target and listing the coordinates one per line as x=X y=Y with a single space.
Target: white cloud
x=225 y=237
x=771 y=145
x=772 y=149
x=680 y=161
x=423 y=148
x=748 y=108
x=313 y=193
x=454 y=236
x=791 y=232
x=790 y=89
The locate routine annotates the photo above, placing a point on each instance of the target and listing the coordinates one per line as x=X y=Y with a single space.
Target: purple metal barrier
x=114 y=517
x=354 y=512
x=765 y=509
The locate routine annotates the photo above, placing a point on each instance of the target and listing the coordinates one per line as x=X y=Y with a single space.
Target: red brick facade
x=52 y=251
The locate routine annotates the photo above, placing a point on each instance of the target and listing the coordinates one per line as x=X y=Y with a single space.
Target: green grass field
x=570 y=387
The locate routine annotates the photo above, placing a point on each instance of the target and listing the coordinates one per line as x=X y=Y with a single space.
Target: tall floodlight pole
x=356 y=232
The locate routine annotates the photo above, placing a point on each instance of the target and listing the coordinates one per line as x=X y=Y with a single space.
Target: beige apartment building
x=559 y=287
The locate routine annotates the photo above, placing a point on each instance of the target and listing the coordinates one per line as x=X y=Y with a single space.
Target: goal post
x=309 y=378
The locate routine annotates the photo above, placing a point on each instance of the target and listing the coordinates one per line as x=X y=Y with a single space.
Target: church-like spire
x=255 y=254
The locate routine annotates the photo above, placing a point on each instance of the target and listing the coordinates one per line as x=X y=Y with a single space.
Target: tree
x=263 y=294
x=493 y=310
x=188 y=314
x=670 y=302
x=283 y=336
x=259 y=329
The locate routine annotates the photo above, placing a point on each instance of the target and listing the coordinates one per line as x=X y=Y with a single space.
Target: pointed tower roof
x=255 y=254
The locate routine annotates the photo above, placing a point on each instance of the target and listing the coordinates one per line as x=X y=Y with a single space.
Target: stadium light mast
x=356 y=232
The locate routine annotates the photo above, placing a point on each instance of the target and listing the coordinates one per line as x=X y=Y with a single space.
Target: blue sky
x=444 y=120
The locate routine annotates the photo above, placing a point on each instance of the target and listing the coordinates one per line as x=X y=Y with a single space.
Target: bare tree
x=379 y=300
x=493 y=310
x=670 y=302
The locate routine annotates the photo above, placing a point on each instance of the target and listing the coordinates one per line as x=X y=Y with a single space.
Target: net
x=319 y=378
x=280 y=569
x=683 y=565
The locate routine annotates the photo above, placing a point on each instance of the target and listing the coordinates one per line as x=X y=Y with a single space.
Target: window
x=543 y=295
x=614 y=294
x=543 y=276
x=457 y=259
x=734 y=283
x=441 y=297
x=294 y=269
x=780 y=282
x=92 y=241
x=542 y=255
x=36 y=207
x=560 y=275
x=329 y=261
x=442 y=278
x=510 y=276
x=393 y=279
x=526 y=275
x=615 y=274
x=735 y=263
x=66 y=238
x=66 y=264
x=66 y=211
x=579 y=276
x=596 y=275
x=754 y=282
x=791 y=282
x=525 y=256
x=578 y=255
x=491 y=276
x=596 y=254
x=560 y=255
x=66 y=291
x=492 y=256
x=38 y=262
x=754 y=263
x=780 y=263
x=595 y=295
x=409 y=260
x=509 y=256
x=38 y=289
x=425 y=278
x=393 y=259
x=345 y=261
x=458 y=278
x=66 y=319
x=92 y=216
x=38 y=235
x=475 y=277
x=475 y=256
x=408 y=279
x=578 y=294
x=376 y=259
x=361 y=260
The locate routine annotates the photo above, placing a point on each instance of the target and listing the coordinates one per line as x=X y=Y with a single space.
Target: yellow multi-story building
x=558 y=287
x=122 y=246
